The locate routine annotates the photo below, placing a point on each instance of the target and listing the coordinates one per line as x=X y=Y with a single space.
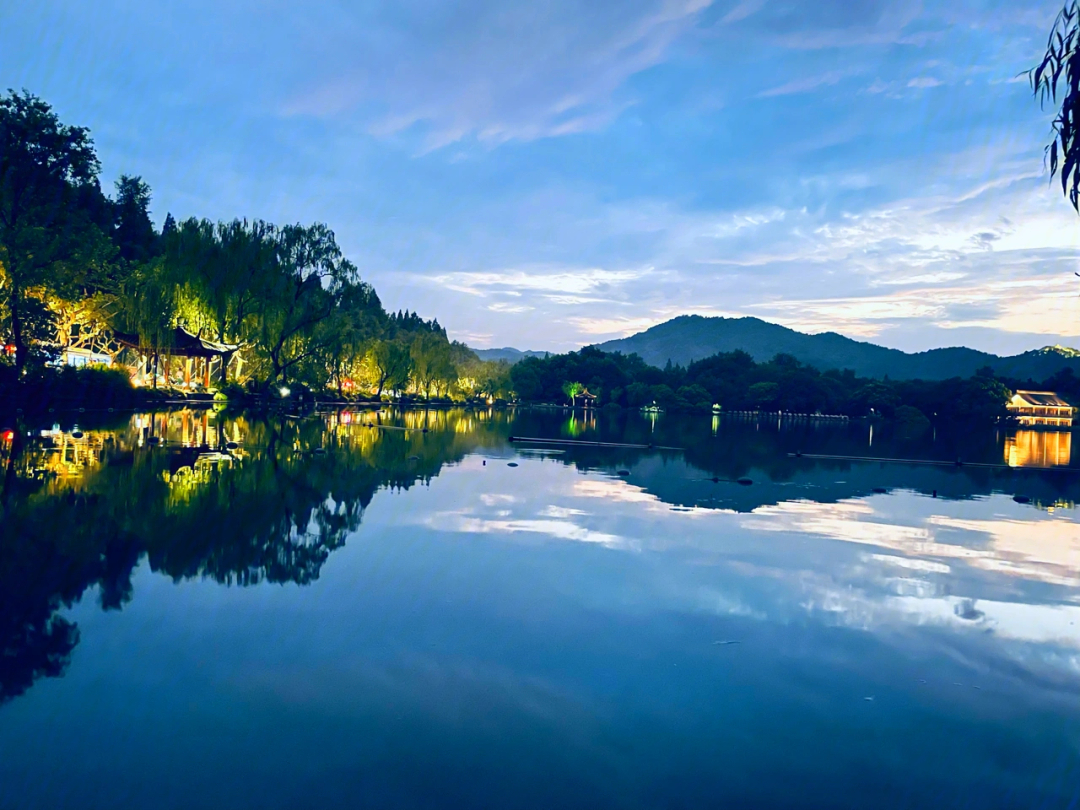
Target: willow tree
x=391 y=364
x=148 y=308
x=1056 y=80
x=299 y=290
x=349 y=333
x=220 y=267
x=572 y=390
x=432 y=365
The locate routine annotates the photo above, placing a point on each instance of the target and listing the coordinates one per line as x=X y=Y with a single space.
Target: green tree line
x=76 y=262
x=735 y=382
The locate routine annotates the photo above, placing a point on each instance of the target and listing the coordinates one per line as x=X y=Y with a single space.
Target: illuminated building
x=1043 y=408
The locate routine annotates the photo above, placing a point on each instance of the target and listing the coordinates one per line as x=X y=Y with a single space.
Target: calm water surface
x=207 y=610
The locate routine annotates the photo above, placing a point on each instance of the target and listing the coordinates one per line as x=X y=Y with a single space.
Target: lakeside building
x=1041 y=408
x=182 y=360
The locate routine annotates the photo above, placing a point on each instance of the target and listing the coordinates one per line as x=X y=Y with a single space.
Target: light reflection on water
x=421 y=624
x=1039 y=448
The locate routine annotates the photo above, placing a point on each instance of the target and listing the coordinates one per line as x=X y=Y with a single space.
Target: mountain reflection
x=241 y=500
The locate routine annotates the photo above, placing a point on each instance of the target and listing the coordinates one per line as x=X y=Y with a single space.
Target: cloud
x=744 y=9
x=1046 y=549
x=806 y=84
x=492 y=71
x=512 y=309
x=925 y=82
x=838 y=23
x=555 y=529
x=602 y=327
x=556 y=284
x=919 y=260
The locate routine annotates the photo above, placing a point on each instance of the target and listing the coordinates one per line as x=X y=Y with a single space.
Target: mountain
x=692 y=337
x=507 y=353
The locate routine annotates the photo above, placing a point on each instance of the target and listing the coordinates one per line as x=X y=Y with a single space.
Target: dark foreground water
x=324 y=614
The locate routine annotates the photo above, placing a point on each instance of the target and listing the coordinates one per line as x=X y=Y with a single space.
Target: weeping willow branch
x=1056 y=79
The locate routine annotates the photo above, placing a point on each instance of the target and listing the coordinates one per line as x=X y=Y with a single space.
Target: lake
x=410 y=610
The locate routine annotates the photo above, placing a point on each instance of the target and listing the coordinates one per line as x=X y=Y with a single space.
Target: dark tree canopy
x=133 y=232
x=51 y=208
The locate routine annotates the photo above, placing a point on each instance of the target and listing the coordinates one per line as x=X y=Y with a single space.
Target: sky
x=547 y=175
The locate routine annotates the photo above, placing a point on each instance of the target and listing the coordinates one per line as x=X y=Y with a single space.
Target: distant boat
x=654 y=408
x=716 y=408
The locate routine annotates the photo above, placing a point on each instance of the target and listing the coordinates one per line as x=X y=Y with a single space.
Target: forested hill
x=692 y=337
x=508 y=354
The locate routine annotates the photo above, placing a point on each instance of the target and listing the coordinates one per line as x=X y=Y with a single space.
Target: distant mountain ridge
x=693 y=337
x=508 y=354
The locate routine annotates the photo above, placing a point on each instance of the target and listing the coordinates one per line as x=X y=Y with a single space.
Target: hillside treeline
x=735 y=382
x=76 y=263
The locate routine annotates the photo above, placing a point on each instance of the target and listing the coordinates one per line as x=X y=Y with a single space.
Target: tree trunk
x=225 y=360
x=275 y=369
x=16 y=332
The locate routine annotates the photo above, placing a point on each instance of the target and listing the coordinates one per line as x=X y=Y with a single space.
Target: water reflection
x=1039 y=448
x=200 y=495
x=581 y=601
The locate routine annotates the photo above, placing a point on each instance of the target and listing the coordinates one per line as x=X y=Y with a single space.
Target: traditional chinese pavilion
x=186 y=362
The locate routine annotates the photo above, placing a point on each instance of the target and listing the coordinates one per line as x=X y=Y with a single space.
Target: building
x=1042 y=408
x=84 y=357
x=183 y=361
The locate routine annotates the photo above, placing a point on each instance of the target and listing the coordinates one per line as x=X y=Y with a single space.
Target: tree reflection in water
x=241 y=500
x=236 y=500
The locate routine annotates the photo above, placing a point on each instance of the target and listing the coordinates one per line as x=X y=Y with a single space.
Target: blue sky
x=547 y=175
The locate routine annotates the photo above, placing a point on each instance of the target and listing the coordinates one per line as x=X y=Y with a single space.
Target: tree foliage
x=73 y=262
x=734 y=381
x=1056 y=79
x=50 y=210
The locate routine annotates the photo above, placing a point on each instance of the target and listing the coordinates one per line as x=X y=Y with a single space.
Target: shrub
x=70 y=387
x=910 y=422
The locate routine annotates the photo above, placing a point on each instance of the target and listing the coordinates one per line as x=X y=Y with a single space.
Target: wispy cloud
x=567 y=284
x=806 y=84
x=744 y=9
x=497 y=73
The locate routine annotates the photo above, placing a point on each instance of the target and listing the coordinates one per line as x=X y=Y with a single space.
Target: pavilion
x=187 y=361
x=1041 y=408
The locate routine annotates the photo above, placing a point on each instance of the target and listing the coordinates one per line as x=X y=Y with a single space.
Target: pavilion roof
x=182 y=344
x=1042 y=399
